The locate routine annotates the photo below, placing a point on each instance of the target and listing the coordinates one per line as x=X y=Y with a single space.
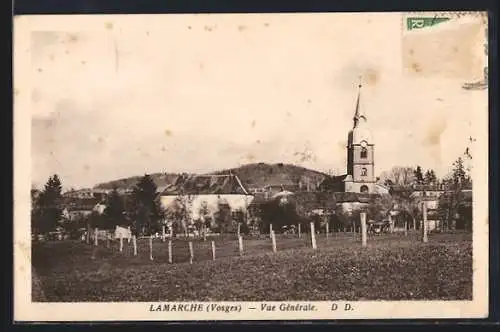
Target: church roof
x=228 y=184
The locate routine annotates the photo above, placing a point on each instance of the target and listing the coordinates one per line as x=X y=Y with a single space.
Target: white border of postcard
x=25 y=310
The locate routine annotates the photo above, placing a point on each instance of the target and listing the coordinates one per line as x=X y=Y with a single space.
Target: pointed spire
x=358 y=114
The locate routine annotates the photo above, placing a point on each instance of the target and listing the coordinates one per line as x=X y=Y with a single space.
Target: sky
x=112 y=98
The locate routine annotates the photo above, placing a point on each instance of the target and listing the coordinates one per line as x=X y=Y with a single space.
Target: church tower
x=360 y=153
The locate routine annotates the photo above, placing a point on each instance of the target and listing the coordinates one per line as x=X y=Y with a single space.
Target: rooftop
x=228 y=184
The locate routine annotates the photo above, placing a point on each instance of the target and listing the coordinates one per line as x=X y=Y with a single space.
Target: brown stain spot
x=163 y=149
x=241 y=28
x=109 y=25
x=168 y=132
x=434 y=131
x=250 y=157
x=39 y=70
x=189 y=27
x=416 y=67
x=86 y=168
x=411 y=51
x=147 y=33
x=67 y=52
x=208 y=28
x=266 y=24
x=258 y=141
x=288 y=114
x=308 y=101
x=100 y=140
x=16 y=91
x=253 y=124
x=455 y=49
x=51 y=57
x=72 y=38
x=371 y=77
x=83 y=62
x=201 y=66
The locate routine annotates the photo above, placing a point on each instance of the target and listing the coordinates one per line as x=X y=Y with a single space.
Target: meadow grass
x=391 y=267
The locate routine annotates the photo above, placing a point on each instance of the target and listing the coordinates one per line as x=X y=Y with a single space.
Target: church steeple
x=360 y=152
x=359 y=114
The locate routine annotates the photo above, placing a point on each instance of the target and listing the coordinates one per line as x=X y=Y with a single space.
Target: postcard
x=300 y=166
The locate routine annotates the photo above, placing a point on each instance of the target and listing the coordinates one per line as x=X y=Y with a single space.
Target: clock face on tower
x=363 y=144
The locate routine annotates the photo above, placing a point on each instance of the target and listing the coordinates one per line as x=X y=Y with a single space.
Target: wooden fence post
x=406 y=227
x=191 y=252
x=327 y=229
x=213 y=250
x=151 y=247
x=121 y=244
x=363 y=229
x=273 y=239
x=96 y=233
x=313 y=236
x=87 y=236
x=240 y=244
x=163 y=234
x=134 y=243
x=239 y=228
x=300 y=235
x=424 y=223
x=170 y=251
x=270 y=230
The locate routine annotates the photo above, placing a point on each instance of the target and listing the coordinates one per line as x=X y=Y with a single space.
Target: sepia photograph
x=251 y=166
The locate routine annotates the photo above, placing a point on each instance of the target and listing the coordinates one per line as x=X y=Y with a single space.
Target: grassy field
x=392 y=267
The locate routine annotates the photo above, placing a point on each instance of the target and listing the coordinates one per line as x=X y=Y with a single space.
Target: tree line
x=144 y=214
x=141 y=211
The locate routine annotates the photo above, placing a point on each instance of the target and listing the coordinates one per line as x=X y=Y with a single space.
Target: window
x=363 y=189
x=363 y=171
x=364 y=153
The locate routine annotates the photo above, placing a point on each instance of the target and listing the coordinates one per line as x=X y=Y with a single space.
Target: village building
x=202 y=195
x=78 y=208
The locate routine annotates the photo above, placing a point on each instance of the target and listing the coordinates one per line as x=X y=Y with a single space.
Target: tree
x=430 y=177
x=459 y=175
x=114 y=211
x=451 y=203
x=47 y=209
x=222 y=217
x=180 y=212
x=398 y=175
x=204 y=213
x=418 y=175
x=146 y=208
x=379 y=207
x=280 y=214
x=407 y=205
